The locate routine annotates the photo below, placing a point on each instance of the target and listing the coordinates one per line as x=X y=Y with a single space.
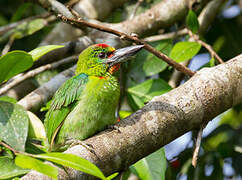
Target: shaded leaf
x=145 y=91
x=3 y=20
x=183 y=51
x=152 y=64
x=28 y=28
x=37 y=165
x=40 y=51
x=14 y=63
x=73 y=161
x=192 y=21
x=13 y=125
x=144 y=65
x=9 y=169
x=152 y=167
x=20 y=12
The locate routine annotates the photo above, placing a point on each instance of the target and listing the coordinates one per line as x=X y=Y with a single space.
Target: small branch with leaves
x=207 y=46
x=80 y=23
x=34 y=72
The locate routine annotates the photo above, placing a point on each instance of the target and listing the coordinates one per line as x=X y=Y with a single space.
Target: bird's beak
x=121 y=55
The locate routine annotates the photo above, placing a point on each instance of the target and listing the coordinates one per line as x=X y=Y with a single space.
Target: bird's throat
x=114 y=68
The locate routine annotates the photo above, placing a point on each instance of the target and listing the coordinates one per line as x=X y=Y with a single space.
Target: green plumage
x=84 y=104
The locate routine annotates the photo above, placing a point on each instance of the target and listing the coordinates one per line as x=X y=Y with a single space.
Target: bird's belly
x=94 y=111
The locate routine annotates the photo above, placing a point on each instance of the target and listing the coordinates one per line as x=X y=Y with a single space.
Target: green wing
x=62 y=103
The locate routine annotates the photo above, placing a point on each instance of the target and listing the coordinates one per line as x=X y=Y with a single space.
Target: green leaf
x=28 y=28
x=8 y=99
x=37 y=165
x=36 y=127
x=13 y=125
x=73 y=161
x=192 y=21
x=152 y=64
x=232 y=117
x=40 y=51
x=112 y=176
x=14 y=63
x=9 y=169
x=18 y=14
x=212 y=62
x=124 y=114
x=183 y=51
x=152 y=167
x=3 y=20
x=145 y=91
x=144 y=65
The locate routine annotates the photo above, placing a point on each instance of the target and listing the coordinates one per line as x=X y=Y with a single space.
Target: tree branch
x=38 y=97
x=34 y=72
x=208 y=93
x=207 y=46
x=80 y=23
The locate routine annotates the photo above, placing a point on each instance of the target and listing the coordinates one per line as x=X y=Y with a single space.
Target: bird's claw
x=89 y=147
x=114 y=127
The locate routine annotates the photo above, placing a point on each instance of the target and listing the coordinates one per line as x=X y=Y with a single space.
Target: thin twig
x=8 y=147
x=197 y=147
x=8 y=27
x=170 y=35
x=8 y=45
x=16 y=151
x=34 y=72
x=80 y=23
x=207 y=46
x=135 y=9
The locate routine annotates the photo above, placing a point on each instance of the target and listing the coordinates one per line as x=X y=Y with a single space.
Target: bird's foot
x=114 y=127
x=74 y=142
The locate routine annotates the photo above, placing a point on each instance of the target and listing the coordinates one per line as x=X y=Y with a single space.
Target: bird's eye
x=102 y=55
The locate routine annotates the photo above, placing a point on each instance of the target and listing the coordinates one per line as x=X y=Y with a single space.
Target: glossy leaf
x=73 y=161
x=9 y=169
x=14 y=63
x=145 y=91
x=40 y=51
x=37 y=165
x=192 y=21
x=183 y=51
x=13 y=125
x=151 y=167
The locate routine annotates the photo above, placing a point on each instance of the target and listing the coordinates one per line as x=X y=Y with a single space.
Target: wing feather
x=63 y=102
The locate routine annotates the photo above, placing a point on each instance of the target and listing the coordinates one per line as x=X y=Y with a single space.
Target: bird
x=86 y=103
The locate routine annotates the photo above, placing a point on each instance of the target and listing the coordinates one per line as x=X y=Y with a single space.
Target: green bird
x=86 y=103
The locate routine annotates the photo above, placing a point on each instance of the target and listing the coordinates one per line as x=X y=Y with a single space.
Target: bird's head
x=102 y=59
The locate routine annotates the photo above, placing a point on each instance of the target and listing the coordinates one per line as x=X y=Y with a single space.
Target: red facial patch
x=110 y=55
x=114 y=68
x=102 y=45
x=101 y=77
